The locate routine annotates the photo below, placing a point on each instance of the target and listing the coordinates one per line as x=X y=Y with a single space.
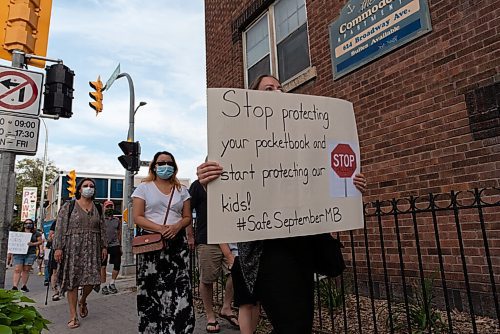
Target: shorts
x=24 y=259
x=211 y=263
x=242 y=295
x=115 y=256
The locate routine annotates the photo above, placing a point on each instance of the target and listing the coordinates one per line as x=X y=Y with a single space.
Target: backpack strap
x=98 y=207
x=72 y=203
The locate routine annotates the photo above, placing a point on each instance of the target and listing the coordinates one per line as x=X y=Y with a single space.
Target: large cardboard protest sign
x=18 y=242
x=288 y=165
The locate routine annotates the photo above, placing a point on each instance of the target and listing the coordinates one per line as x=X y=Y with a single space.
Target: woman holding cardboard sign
x=278 y=273
x=162 y=205
x=24 y=262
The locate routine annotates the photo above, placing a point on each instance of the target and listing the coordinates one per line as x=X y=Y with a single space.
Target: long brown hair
x=255 y=84
x=152 y=173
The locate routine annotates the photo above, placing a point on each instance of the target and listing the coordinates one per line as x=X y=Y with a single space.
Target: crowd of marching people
x=74 y=255
x=86 y=237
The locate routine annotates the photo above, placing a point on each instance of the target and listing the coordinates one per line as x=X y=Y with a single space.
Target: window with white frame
x=277 y=43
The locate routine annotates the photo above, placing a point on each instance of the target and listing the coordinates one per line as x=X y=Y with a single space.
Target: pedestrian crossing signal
x=71 y=181
x=96 y=95
x=130 y=159
x=58 y=93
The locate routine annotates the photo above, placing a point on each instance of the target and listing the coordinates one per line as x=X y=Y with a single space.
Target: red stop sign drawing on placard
x=343 y=160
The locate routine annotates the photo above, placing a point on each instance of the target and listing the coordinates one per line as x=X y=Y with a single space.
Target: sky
x=161 y=45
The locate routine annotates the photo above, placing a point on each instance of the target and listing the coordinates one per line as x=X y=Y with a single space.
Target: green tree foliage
x=17 y=317
x=29 y=173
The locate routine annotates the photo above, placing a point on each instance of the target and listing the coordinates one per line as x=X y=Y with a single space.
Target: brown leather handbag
x=151 y=242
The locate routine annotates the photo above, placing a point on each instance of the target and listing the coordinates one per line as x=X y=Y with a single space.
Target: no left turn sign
x=20 y=91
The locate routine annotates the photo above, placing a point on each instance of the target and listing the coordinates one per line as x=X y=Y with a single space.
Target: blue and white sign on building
x=369 y=29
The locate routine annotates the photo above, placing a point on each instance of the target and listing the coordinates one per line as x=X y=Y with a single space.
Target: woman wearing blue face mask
x=164 y=298
x=80 y=247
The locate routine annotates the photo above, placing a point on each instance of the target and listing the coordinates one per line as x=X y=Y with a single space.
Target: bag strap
x=72 y=203
x=98 y=206
x=169 y=202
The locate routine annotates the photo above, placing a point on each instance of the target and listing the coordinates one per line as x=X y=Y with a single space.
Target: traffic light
x=24 y=25
x=71 y=181
x=131 y=160
x=58 y=91
x=97 y=95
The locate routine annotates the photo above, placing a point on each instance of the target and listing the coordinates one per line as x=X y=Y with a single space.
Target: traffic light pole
x=7 y=191
x=128 y=261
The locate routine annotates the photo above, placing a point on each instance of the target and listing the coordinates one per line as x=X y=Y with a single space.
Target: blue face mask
x=165 y=172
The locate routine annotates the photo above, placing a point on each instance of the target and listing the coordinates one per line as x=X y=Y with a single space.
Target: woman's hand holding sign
x=359 y=181
x=208 y=171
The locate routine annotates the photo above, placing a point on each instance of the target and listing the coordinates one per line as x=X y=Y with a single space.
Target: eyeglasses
x=163 y=163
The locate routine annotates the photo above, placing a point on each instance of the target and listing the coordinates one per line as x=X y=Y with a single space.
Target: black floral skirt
x=164 y=298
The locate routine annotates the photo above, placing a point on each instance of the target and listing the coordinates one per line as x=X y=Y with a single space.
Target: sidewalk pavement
x=108 y=314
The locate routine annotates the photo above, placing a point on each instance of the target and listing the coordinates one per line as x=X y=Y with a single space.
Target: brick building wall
x=428 y=113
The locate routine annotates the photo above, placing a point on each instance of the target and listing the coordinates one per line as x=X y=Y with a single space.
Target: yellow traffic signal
x=71 y=183
x=125 y=215
x=24 y=25
x=97 y=95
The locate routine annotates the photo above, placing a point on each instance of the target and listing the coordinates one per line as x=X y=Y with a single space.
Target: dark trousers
x=285 y=285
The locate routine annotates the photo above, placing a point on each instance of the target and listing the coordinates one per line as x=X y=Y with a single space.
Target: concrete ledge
x=127 y=270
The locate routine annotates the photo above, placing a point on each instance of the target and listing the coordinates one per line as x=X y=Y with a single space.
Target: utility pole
x=7 y=191
x=24 y=38
x=128 y=259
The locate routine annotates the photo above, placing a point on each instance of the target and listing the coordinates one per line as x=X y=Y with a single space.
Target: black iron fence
x=428 y=264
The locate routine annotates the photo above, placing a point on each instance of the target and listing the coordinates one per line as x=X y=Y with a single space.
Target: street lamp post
x=128 y=263
x=42 y=195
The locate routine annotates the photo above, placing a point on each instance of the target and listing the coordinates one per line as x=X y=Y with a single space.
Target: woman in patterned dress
x=164 y=298
x=80 y=246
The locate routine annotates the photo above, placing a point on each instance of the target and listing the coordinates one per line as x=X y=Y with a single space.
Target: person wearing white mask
x=80 y=247
x=161 y=204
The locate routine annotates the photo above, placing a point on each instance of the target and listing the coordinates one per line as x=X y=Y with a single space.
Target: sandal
x=232 y=319
x=73 y=323
x=84 y=311
x=214 y=325
x=56 y=297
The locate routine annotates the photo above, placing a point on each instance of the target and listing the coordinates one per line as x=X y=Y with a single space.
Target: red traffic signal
x=131 y=158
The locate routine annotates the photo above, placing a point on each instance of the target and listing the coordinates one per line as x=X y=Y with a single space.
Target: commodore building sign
x=369 y=29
